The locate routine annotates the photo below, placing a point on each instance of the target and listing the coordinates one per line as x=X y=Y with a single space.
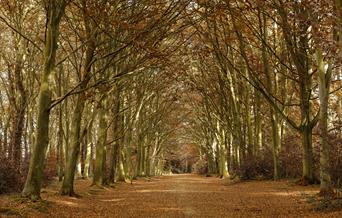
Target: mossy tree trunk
x=324 y=85
x=74 y=147
x=73 y=150
x=100 y=160
x=55 y=11
x=60 y=152
x=324 y=78
x=113 y=161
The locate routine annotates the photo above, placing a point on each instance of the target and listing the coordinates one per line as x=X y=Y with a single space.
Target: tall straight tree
x=85 y=76
x=324 y=83
x=54 y=12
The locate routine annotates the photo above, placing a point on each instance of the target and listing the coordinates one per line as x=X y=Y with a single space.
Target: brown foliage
x=257 y=167
x=10 y=178
x=200 y=167
x=336 y=160
x=50 y=170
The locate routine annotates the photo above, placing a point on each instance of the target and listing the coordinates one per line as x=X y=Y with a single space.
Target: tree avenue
x=113 y=90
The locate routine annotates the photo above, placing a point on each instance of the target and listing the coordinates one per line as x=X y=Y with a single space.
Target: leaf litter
x=173 y=196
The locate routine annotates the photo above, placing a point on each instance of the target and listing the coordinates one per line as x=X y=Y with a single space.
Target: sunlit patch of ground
x=113 y=200
x=176 y=196
x=67 y=203
x=286 y=193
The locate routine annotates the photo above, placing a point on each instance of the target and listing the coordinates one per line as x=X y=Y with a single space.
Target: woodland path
x=178 y=196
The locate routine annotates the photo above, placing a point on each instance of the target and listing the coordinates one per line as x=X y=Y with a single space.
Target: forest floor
x=174 y=196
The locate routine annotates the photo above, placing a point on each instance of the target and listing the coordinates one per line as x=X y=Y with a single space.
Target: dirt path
x=177 y=196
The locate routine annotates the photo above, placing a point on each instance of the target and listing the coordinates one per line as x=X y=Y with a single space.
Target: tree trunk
x=307 y=154
x=34 y=178
x=84 y=151
x=306 y=129
x=60 y=153
x=324 y=81
x=19 y=104
x=101 y=148
x=116 y=134
x=276 y=141
x=148 y=160
x=258 y=123
x=74 y=148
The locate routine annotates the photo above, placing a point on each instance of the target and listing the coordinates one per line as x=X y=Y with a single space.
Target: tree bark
x=100 y=160
x=324 y=85
x=74 y=148
x=34 y=178
x=116 y=135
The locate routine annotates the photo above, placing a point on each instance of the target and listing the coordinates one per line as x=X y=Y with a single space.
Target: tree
x=54 y=13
